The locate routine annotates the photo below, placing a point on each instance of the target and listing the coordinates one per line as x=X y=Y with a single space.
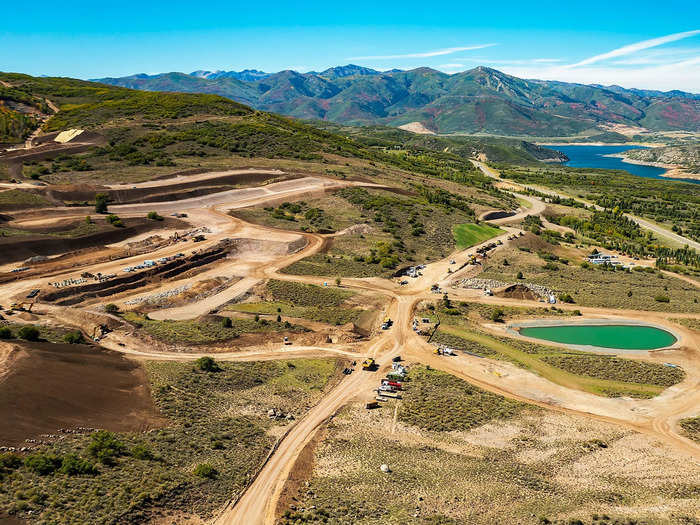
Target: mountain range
x=480 y=100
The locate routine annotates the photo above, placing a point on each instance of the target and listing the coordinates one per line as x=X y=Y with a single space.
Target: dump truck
x=368 y=364
x=395 y=384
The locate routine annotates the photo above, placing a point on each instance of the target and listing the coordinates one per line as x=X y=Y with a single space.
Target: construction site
x=188 y=364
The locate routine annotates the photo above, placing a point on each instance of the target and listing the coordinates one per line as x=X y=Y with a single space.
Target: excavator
x=21 y=307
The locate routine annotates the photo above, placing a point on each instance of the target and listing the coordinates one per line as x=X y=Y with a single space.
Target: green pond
x=623 y=337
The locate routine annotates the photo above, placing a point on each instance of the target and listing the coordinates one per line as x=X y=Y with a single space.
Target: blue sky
x=635 y=44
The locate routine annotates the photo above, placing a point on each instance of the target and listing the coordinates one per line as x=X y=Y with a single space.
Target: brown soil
x=301 y=472
x=54 y=386
x=517 y=291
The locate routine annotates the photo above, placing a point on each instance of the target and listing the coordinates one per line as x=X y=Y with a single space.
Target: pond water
x=622 y=337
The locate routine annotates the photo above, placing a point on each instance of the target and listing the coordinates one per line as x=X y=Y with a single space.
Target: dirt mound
x=54 y=386
x=517 y=291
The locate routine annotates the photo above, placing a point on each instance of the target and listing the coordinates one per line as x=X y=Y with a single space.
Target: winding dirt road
x=657 y=417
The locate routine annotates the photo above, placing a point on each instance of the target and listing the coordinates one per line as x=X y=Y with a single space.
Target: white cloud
x=439 y=52
x=634 y=48
x=683 y=75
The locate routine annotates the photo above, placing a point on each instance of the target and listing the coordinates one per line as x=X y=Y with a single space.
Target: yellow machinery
x=368 y=364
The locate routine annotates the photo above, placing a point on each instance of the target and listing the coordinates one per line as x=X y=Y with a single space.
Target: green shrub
x=74 y=337
x=497 y=315
x=105 y=447
x=111 y=308
x=226 y=322
x=142 y=451
x=29 y=333
x=566 y=298
x=662 y=299
x=42 y=464
x=101 y=200
x=205 y=470
x=9 y=461
x=6 y=333
x=153 y=215
x=74 y=465
x=207 y=364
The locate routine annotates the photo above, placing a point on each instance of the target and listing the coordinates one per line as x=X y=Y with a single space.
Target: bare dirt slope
x=81 y=386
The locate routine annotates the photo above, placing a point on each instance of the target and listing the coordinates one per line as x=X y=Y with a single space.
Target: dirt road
x=644 y=223
x=657 y=417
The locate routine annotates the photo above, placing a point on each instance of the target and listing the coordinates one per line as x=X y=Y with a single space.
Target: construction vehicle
x=395 y=384
x=386 y=324
x=22 y=307
x=287 y=341
x=369 y=405
x=440 y=350
x=368 y=364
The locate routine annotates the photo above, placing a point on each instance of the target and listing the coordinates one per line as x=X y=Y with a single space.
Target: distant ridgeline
x=481 y=100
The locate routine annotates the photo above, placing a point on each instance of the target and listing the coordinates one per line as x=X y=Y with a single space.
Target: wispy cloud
x=426 y=54
x=634 y=48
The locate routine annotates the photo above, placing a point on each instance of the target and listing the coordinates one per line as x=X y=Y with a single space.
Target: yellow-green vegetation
x=469 y=234
x=49 y=334
x=405 y=230
x=594 y=285
x=306 y=301
x=16 y=199
x=301 y=294
x=599 y=374
x=208 y=329
x=673 y=204
x=328 y=214
x=439 y=401
x=688 y=322
x=216 y=437
x=536 y=467
x=691 y=427
x=618 y=369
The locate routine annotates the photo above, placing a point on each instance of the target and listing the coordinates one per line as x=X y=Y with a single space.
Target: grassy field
x=438 y=401
x=532 y=467
x=592 y=286
x=467 y=235
x=217 y=419
x=329 y=305
x=205 y=330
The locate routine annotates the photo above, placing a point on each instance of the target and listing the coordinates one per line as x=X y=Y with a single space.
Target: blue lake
x=594 y=157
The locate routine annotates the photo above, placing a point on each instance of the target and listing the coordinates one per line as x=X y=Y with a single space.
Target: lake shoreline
x=673 y=171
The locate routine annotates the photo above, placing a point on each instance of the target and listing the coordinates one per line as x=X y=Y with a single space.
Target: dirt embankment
x=21 y=247
x=76 y=294
x=162 y=192
x=81 y=386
